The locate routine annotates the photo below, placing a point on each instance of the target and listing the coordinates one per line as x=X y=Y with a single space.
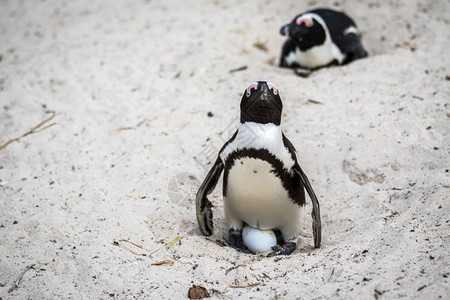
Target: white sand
x=131 y=84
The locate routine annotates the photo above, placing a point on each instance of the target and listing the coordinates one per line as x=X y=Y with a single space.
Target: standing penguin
x=319 y=38
x=263 y=184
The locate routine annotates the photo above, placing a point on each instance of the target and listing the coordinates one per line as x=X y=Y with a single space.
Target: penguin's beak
x=292 y=30
x=268 y=93
x=263 y=89
x=284 y=30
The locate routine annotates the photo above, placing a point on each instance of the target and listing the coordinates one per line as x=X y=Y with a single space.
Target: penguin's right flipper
x=288 y=47
x=353 y=47
x=202 y=204
x=316 y=222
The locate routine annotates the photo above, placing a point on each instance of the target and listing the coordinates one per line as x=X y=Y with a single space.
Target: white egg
x=258 y=241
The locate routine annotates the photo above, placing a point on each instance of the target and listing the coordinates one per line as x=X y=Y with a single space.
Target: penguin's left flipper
x=316 y=223
x=202 y=204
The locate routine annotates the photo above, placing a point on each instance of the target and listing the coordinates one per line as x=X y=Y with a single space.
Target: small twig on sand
x=137 y=245
x=31 y=131
x=141 y=122
x=314 y=101
x=238 y=69
x=16 y=283
x=238 y=286
x=153 y=252
x=234 y=267
x=131 y=127
x=135 y=253
x=125 y=247
x=125 y=128
x=163 y=262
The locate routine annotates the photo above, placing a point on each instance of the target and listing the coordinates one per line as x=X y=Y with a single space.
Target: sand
x=140 y=98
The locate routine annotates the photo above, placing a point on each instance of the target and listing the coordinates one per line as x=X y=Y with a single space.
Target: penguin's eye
x=250 y=87
x=301 y=20
x=273 y=88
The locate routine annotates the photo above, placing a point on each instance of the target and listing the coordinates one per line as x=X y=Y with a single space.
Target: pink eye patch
x=250 y=87
x=308 y=22
x=273 y=88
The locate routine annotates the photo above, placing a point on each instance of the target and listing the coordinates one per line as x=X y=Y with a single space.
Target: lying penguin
x=319 y=38
x=263 y=184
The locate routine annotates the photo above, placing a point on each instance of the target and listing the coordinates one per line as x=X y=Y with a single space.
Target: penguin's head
x=261 y=103
x=306 y=30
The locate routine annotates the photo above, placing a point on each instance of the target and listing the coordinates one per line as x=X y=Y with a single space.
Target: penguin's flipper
x=316 y=223
x=353 y=46
x=202 y=204
x=288 y=47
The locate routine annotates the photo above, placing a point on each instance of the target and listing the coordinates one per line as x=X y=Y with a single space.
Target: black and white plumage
x=263 y=183
x=319 y=38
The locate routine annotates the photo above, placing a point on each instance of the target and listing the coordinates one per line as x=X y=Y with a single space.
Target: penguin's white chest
x=317 y=56
x=256 y=195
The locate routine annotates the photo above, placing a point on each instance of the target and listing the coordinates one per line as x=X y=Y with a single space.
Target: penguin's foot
x=235 y=241
x=302 y=72
x=286 y=249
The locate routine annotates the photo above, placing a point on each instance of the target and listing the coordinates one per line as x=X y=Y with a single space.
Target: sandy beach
x=115 y=111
